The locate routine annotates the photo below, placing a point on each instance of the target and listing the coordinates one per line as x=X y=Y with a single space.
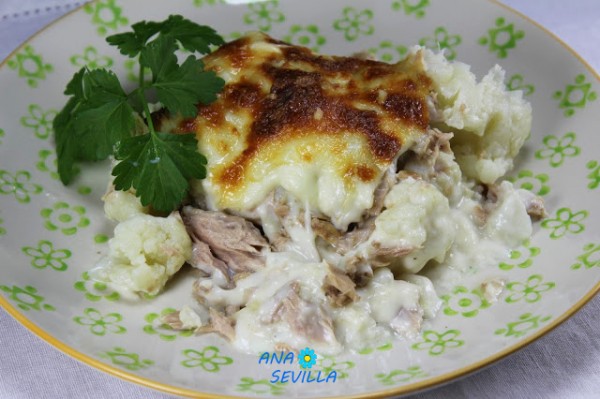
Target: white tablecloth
x=563 y=364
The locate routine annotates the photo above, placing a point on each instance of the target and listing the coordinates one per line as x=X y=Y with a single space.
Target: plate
x=51 y=235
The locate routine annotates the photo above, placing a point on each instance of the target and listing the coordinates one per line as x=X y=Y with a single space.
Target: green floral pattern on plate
x=465 y=302
x=91 y=59
x=441 y=39
x=262 y=15
x=517 y=82
x=208 y=359
x=395 y=377
x=164 y=331
x=388 y=52
x=530 y=291
x=260 y=387
x=44 y=256
x=200 y=3
x=411 y=7
x=39 y=120
x=48 y=163
x=30 y=66
x=65 y=218
x=575 y=96
x=521 y=257
x=19 y=185
x=589 y=258
x=2 y=134
x=129 y=361
x=27 y=298
x=437 y=343
x=95 y=290
x=355 y=23
x=307 y=36
x=382 y=348
x=526 y=323
x=502 y=38
x=594 y=175
x=327 y=364
x=100 y=325
x=558 y=149
x=528 y=180
x=106 y=15
x=566 y=221
x=2 y=229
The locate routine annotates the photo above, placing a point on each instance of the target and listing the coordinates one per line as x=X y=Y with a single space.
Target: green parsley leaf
x=190 y=35
x=159 y=166
x=179 y=88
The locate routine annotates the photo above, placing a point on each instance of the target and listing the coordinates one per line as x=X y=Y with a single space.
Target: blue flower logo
x=307 y=358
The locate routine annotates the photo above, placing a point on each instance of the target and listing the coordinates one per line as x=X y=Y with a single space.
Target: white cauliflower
x=416 y=220
x=490 y=124
x=145 y=252
x=122 y=205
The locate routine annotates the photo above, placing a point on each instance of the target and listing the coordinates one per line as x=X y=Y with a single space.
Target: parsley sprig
x=100 y=119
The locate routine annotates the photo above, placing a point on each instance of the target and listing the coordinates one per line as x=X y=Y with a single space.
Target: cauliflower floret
x=417 y=222
x=509 y=222
x=490 y=124
x=122 y=205
x=145 y=252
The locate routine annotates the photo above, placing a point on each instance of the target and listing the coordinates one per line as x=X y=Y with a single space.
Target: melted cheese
x=323 y=128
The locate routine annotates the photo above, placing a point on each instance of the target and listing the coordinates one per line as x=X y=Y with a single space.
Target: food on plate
x=342 y=196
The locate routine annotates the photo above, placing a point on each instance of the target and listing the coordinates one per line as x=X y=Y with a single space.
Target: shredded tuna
x=224 y=242
x=220 y=324
x=339 y=288
x=408 y=322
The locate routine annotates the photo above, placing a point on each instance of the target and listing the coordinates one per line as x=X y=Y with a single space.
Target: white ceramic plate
x=50 y=235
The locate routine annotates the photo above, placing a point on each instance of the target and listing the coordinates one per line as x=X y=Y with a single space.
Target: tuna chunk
x=227 y=243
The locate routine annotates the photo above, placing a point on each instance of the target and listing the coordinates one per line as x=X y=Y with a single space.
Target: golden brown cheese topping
x=322 y=127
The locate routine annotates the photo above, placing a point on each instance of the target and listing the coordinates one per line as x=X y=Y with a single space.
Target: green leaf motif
x=106 y=15
x=594 y=175
x=91 y=59
x=441 y=39
x=30 y=66
x=396 y=377
x=95 y=290
x=260 y=387
x=517 y=82
x=39 y=121
x=19 y=185
x=65 y=218
x=521 y=257
x=531 y=290
x=389 y=52
x=165 y=332
x=45 y=256
x=536 y=183
x=565 y=221
x=589 y=258
x=411 y=7
x=27 y=298
x=526 y=323
x=100 y=325
x=575 y=96
x=2 y=134
x=129 y=361
x=327 y=364
x=47 y=163
x=2 y=229
x=437 y=343
x=208 y=359
x=307 y=36
x=382 y=348
x=557 y=150
x=355 y=23
x=263 y=15
x=502 y=38
x=201 y=3
x=465 y=302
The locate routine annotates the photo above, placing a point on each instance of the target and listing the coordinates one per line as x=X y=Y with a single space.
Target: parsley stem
x=141 y=78
x=147 y=113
